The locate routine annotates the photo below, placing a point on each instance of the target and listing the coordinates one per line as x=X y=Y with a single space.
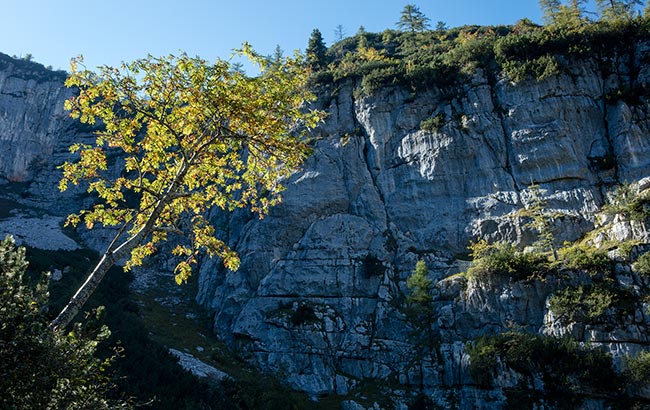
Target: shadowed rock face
x=380 y=188
x=319 y=295
x=32 y=119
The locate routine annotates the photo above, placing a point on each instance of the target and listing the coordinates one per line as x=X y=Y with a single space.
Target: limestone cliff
x=32 y=119
x=319 y=298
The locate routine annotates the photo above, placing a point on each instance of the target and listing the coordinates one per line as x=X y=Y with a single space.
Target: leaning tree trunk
x=73 y=307
x=110 y=257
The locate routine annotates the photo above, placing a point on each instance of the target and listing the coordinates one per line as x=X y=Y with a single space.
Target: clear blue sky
x=111 y=31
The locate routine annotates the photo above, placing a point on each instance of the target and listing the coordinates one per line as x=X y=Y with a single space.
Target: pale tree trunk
x=112 y=255
x=73 y=307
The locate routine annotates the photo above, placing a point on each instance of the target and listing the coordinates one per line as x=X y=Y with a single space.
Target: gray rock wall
x=32 y=118
x=318 y=298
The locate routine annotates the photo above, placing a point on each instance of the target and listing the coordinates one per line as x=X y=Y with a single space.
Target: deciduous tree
x=190 y=136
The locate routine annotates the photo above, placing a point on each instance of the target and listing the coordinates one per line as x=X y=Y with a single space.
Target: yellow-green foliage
x=642 y=265
x=582 y=303
x=638 y=368
x=420 y=285
x=587 y=258
x=192 y=136
x=433 y=124
x=563 y=364
x=502 y=260
x=626 y=201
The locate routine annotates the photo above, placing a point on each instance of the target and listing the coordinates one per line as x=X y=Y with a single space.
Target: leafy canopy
x=190 y=136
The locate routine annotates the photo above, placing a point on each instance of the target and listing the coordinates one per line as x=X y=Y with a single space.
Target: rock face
x=35 y=133
x=319 y=298
x=32 y=119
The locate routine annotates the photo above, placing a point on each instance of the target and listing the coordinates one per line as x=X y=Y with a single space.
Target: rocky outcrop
x=318 y=299
x=32 y=119
x=35 y=133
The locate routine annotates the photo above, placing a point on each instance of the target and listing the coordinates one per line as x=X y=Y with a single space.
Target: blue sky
x=111 y=31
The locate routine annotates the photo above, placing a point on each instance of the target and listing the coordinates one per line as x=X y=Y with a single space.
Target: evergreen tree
x=40 y=368
x=316 y=51
x=617 y=10
x=569 y=15
x=420 y=285
x=550 y=10
x=420 y=312
x=412 y=19
x=339 y=33
x=277 y=57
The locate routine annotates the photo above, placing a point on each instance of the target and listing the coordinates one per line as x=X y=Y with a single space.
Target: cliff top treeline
x=28 y=69
x=443 y=57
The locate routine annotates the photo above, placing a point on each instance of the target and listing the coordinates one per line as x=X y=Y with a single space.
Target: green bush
x=590 y=259
x=434 y=124
x=484 y=354
x=627 y=202
x=638 y=368
x=380 y=77
x=40 y=368
x=589 y=303
x=502 y=260
x=564 y=365
x=642 y=265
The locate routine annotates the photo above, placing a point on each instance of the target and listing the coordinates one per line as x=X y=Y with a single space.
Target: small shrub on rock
x=564 y=365
x=638 y=368
x=592 y=260
x=642 y=265
x=502 y=260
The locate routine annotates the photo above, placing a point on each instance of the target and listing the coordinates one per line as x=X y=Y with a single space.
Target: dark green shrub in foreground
x=146 y=372
x=40 y=368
